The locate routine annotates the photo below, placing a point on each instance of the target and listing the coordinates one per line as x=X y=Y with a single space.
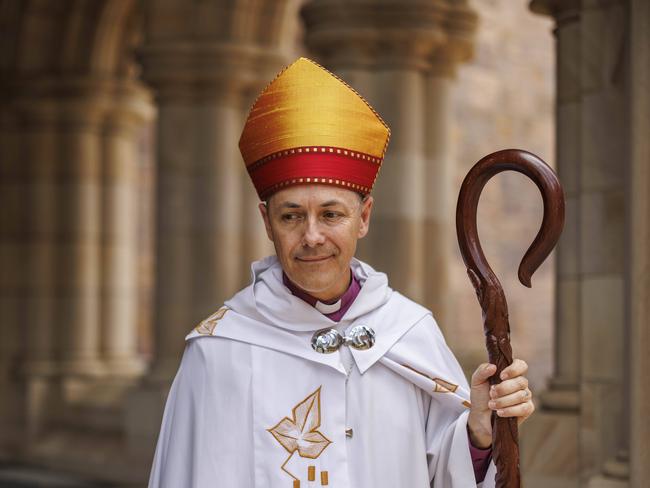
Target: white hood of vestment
x=269 y=300
x=267 y=314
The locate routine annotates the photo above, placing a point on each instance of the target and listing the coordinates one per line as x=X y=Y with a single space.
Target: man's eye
x=332 y=215
x=290 y=217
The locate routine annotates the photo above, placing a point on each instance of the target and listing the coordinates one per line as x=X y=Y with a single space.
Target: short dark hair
x=361 y=196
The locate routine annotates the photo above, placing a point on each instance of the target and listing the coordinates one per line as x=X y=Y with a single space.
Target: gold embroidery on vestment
x=300 y=433
x=207 y=326
x=441 y=386
x=324 y=481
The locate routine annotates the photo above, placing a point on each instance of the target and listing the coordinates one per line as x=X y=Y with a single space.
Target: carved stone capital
x=132 y=106
x=414 y=34
x=70 y=101
x=204 y=71
x=563 y=11
x=86 y=102
x=618 y=467
x=205 y=51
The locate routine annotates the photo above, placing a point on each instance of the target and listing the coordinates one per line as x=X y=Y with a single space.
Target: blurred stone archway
x=127 y=214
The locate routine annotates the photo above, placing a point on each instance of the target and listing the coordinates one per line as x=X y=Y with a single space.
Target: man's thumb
x=482 y=373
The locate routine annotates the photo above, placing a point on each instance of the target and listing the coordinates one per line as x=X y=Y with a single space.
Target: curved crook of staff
x=488 y=288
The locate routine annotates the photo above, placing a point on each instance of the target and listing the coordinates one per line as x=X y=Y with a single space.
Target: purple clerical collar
x=333 y=310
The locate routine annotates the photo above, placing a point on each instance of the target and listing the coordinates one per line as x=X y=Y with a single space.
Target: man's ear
x=366 y=210
x=264 y=211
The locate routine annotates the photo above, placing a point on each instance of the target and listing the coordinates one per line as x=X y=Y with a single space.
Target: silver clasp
x=327 y=341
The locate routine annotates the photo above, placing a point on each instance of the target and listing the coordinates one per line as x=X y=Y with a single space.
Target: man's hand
x=510 y=398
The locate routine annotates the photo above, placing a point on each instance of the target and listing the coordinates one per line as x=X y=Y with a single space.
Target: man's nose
x=313 y=235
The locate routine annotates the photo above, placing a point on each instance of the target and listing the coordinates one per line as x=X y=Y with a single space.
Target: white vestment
x=254 y=406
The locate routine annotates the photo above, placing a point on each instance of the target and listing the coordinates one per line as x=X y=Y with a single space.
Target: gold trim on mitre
x=306 y=105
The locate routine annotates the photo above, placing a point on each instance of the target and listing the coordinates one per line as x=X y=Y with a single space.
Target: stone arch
x=116 y=34
x=71 y=125
x=76 y=102
x=72 y=36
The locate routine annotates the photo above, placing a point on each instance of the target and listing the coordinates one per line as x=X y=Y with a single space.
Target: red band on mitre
x=334 y=166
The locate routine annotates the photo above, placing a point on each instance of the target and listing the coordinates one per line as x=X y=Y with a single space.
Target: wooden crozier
x=505 y=448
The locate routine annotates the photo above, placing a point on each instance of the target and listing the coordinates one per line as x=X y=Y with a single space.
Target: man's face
x=315 y=229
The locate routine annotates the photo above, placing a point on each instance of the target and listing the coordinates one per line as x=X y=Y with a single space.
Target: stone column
x=563 y=392
x=639 y=248
x=129 y=111
x=200 y=85
x=60 y=198
x=27 y=240
x=550 y=446
x=400 y=56
x=581 y=420
x=39 y=146
x=57 y=295
x=198 y=199
x=202 y=73
x=9 y=430
x=604 y=168
x=441 y=191
x=255 y=242
x=78 y=255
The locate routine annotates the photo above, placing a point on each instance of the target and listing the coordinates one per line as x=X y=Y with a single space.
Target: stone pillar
x=27 y=237
x=203 y=74
x=40 y=150
x=550 y=446
x=71 y=179
x=639 y=248
x=564 y=385
x=400 y=56
x=603 y=179
x=580 y=425
x=78 y=252
x=441 y=191
x=56 y=187
x=200 y=83
x=198 y=191
x=255 y=242
x=550 y=450
x=120 y=181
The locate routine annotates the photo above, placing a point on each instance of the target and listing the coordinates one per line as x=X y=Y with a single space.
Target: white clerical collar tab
x=325 y=308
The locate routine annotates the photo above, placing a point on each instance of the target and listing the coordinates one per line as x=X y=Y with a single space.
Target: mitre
x=309 y=126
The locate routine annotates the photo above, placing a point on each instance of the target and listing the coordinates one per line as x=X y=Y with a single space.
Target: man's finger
x=531 y=410
x=517 y=368
x=522 y=410
x=482 y=373
x=509 y=386
x=516 y=398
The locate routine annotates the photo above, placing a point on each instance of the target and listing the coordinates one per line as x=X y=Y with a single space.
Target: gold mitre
x=309 y=126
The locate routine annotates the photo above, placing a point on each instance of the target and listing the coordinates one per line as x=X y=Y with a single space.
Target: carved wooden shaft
x=505 y=434
x=505 y=450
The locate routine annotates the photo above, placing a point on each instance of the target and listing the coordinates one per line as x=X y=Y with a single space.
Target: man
x=318 y=374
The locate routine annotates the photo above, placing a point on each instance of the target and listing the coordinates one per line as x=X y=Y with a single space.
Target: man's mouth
x=313 y=259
